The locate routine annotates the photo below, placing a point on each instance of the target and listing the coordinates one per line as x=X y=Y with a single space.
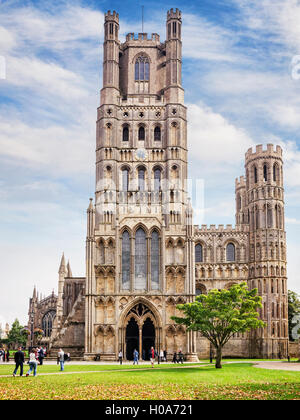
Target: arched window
x=230 y=252
x=140 y=260
x=157 y=179
x=47 y=323
x=125 y=179
x=141 y=179
x=126 y=272
x=269 y=217
x=142 y=133
x=125 y=133
x=239 y=202
x=265 y=173
x=157 y=134
x=198 y=253
x=155 y=260
x=255 y=174
x=200 y=289
x=142 y=69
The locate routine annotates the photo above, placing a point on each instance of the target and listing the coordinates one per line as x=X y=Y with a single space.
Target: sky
x=242 y=87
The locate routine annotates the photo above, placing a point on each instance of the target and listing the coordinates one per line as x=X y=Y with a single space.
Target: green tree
x=17 y=335
x=222 y=313
x=293 y=310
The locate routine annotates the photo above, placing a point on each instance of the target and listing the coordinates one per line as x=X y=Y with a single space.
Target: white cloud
x=54 y=150
x=213 y=140
x=278 y=17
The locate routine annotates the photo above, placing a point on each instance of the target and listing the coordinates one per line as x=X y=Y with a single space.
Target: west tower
x=140 y=228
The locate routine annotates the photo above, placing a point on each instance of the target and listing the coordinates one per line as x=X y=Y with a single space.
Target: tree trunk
x=219 y=358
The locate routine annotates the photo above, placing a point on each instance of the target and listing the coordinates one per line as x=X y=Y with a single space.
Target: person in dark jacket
x=41 y=355
x=180 y=357
x=7 y=355
x=19 y=361
x=174 y=357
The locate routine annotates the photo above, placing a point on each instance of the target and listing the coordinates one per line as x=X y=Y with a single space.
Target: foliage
x=222 y=313
x=17 y=335
x=293 y=309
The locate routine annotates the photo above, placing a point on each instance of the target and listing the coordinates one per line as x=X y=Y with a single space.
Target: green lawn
x=233 y=381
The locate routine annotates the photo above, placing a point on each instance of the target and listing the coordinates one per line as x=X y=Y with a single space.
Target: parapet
x=174 y=14
x=261 y=152
x=221 y=229
x=112 y=16
x=142 y=37
x=240 y=182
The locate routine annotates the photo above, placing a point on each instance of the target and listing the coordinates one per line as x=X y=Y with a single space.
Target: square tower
x=138 y=239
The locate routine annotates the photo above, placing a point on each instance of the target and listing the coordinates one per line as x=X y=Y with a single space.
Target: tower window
x=157 y=134
x=230 y=252
x=141 y=177
x=142 y=69
x=126 y=266
x=255 y=174
x=125 y=133
x=141 y=260
x=157 y=179
x=198 y=253
x=174 y=28
x=142 y=133
x=111 y=28
x=265 y=173
x=125 y=179
x=155 y=260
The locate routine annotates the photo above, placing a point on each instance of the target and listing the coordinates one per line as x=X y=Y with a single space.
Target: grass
x=233 y=381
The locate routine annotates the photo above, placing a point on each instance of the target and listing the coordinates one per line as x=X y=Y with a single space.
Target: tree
x=293 y=310
x=222 y=313
x=17 y=336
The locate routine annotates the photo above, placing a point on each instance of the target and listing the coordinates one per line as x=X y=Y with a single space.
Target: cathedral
x=144 y=255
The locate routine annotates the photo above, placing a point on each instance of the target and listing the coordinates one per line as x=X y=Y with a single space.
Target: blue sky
x=242 y=88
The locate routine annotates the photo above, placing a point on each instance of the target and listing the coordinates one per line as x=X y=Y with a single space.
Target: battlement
x=240 y=182
x=260 y=152
x=142 y=37
x=221 y=229
x=112 y=16
x=174 y=14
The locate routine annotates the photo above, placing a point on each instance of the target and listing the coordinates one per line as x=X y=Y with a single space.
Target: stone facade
x=143 y=253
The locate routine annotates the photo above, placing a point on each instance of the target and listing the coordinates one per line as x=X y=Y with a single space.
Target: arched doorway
x=148 y=338
x=132 y=338
x=141 y=331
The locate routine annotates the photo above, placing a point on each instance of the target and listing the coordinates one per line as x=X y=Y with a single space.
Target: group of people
x=4 y=355
x=178 y=357
x=161 y=357
x=36 y=357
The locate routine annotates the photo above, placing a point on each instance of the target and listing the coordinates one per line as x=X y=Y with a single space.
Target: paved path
x=292 y=366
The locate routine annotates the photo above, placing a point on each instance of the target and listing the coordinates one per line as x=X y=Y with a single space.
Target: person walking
x=152 y=356
x=120 y=357
x=165 y=355
x=1 y=355
x=61 y=359
x=41 y=356
x=32 y=363
x=7 y=355
x=19 y=361
x=161 y=356
x=135 y=357
x=174 y=357
x=180 y=357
